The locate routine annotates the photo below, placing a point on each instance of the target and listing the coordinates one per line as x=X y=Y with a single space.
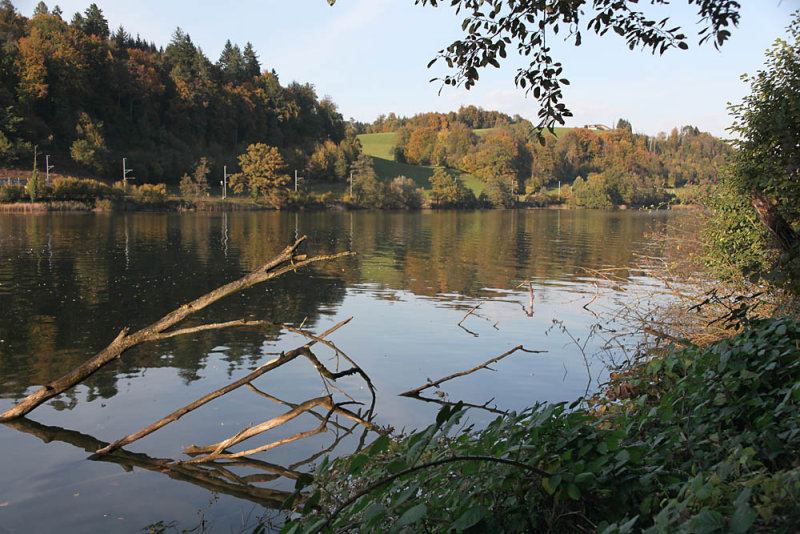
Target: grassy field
x=378 y=145
x=381 y=147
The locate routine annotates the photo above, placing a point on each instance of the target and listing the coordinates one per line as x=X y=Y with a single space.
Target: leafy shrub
x=448 y=191
x=149 y=193
x=12 y=193
x=403 y=193
x=542 y=198
x=498 y=192
x=592 y=192
x=703 y=439
x=68 y=188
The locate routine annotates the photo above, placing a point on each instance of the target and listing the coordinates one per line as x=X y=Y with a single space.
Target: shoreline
x=184 y=206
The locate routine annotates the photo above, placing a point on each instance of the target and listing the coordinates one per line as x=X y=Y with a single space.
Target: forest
x=89 y=96
x=605 y=168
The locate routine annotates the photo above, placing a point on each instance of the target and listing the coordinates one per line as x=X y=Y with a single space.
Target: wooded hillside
x=89 y=96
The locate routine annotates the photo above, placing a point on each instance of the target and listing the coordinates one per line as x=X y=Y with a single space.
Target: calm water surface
x=70 y=282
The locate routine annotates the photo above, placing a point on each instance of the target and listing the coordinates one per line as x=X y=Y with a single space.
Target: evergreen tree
x=252 y=67
x=95 y=23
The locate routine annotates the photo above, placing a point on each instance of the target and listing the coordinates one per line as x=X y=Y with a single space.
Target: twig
x=586 y=306
x=470 y=312
x=214 y=451
x=413 y=392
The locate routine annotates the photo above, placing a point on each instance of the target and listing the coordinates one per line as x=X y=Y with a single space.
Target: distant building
x=601 y=127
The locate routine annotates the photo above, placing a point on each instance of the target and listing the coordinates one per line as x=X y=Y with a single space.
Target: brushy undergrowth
x=697 y=439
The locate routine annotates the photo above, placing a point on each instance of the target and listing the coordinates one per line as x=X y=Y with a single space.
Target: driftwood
x=281 y=264
x=471 y=311
x=529 y=313
x=485 y=365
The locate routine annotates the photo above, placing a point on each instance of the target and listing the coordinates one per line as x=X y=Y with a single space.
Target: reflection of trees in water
x=463 y=252
x=105 y=272
x=70 y=282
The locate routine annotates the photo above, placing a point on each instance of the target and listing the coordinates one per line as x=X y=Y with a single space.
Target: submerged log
x=281 y=264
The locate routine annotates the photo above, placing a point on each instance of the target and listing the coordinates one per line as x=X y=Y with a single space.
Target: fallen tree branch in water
x=471 y=311
x=417 y=391
x=281 y=264
x=177 y=414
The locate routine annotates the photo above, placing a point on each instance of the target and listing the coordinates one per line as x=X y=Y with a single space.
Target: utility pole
x=48 y=166
x=125 y=177
x=351 y=184
x=559 y=190
x=296 y=179
x=224 y=182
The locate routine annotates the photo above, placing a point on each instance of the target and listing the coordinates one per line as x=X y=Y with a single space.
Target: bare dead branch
x=416 y=391
x=471 y=311
x=214 y=451
x=277 y=362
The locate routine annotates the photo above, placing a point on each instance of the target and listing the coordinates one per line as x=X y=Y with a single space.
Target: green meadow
x=380 y=146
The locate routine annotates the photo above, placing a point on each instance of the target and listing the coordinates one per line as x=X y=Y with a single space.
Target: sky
x=370 y=57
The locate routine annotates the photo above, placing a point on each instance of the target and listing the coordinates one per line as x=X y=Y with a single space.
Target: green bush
x=12 y=193
x=149 y=193
x=68 y=188
x=703 y=439
x=403 y=193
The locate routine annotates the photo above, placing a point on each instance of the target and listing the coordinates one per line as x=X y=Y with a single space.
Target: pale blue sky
x=370 y=57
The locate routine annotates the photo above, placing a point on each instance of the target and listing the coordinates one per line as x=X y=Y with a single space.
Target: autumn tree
x=263 y=171
x=197 y=184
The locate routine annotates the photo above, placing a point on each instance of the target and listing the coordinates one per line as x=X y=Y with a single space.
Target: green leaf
x=469 y=518
x=303 y=480
x=396 y=466
x=374 y=510
x=379 y=445
x=573 y=491
x=357 y=462
x=312 y=502
x=412 y=515
x=743 y=515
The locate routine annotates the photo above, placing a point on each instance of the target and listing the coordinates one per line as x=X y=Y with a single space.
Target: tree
x=94 y=23
x=252 y=67
x=196 y=185
x=368 y=192
x=403 y=193
x=89 y=149
x=41 y=9
x=765 y=166
x=263 y=171
x=493 y=26
x=33 y=181
x=448 y=191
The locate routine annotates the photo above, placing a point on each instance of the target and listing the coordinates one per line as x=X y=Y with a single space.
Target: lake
x=69 y=283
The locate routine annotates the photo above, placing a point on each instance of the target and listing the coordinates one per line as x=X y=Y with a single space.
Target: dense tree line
x=90 y=96
x=616 y=167
x=473 y=116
